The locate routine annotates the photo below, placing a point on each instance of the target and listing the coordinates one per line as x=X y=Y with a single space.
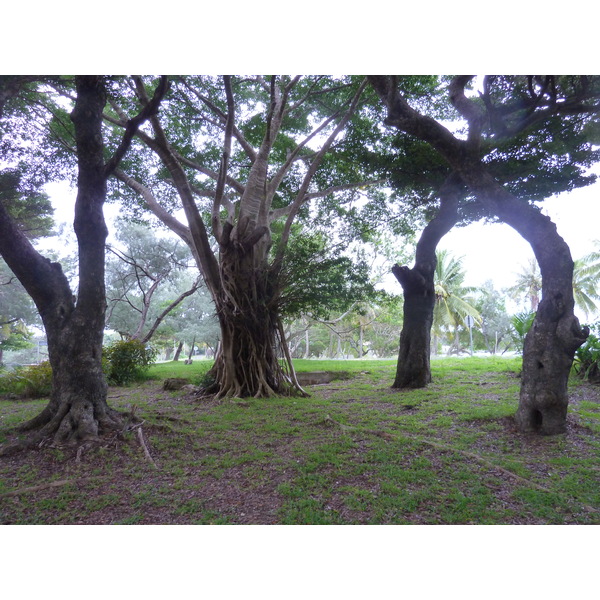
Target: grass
x=354 y=452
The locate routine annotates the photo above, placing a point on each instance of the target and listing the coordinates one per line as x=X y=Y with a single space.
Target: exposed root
x=45 y=486
x=140 y=437
x=69 y=425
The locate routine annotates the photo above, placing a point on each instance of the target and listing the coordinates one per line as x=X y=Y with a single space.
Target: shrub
x=587 y=356
x=521 y=323
x=30 y=382
x=127 y=361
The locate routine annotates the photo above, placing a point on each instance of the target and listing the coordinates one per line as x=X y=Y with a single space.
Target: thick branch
x=150 y=109
x=301 y=197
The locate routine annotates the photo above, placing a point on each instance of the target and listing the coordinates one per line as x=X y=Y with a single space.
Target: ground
x=355 y=452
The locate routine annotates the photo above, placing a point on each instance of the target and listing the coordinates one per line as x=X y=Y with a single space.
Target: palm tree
x=586 y=276
x=529 y=283
x=452 y=304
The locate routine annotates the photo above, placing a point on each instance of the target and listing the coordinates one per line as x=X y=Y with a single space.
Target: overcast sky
x=497 y=252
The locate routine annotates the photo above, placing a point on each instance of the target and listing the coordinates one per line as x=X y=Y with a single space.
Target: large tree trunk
x=414 y=368
x=556 y=334
x=77 y=409
x=247 y=363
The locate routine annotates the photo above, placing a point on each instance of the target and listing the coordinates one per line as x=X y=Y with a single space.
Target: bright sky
x=497 y=252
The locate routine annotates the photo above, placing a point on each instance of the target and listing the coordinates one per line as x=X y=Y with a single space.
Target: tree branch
x=301 y=197
x=150 y=109
x=215 y=217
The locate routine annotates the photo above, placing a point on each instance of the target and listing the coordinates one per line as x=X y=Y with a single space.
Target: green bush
x=587 y=356
x=521 y=323
x=30 y=382
x=127 y=361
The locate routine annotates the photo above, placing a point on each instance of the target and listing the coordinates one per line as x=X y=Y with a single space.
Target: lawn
x=354 y=452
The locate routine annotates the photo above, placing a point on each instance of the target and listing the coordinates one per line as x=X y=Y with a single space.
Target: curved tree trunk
x=556 y=334
x=414 y=369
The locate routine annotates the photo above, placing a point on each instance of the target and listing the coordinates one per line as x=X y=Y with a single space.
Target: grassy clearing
x=356 y=451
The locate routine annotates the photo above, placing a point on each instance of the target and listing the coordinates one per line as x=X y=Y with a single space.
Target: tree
x=140 y=273
x=74 y=326
x=560 y=112
x=586 y=276
x=528 y=283
x=420 y=295
x=256 y=148
x=495 y=322
x=452 y=304
x=32 y=214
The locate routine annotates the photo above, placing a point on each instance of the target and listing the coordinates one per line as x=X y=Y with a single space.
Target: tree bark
x=414 y=368
x=556 y=334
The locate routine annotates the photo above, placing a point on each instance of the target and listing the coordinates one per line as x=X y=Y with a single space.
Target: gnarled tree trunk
x=74 y=326
x=247 y=363
x=77 y=409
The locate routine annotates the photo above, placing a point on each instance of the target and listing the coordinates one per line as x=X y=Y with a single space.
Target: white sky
x=497 y=252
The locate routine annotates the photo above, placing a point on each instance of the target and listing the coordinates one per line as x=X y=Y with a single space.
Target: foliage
x=128 y=361
x=145 y=278
x=521 y=323
x=319 y=278
x=34 y=381
x=587 y=356
x=528 y=284
x=452 y=304
x=586 y=276
x=495 y=329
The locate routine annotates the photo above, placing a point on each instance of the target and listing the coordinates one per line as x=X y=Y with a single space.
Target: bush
x=30 y=382
x=127 y=361
x=587 y=356
x=521 y=323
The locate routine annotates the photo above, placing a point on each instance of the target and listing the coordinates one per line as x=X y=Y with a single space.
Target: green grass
x=354 y=452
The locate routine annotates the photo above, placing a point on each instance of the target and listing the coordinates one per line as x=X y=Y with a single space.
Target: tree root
x=490 y=465
x=140 y=437
x=45 y=486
